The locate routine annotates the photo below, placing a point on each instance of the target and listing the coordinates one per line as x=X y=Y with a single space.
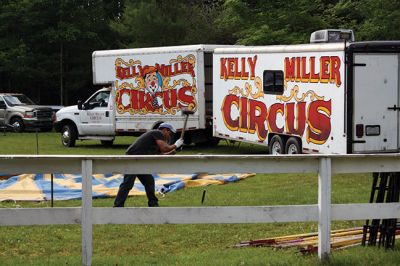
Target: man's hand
x=178 y=143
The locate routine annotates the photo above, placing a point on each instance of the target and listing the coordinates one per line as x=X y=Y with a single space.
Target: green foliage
x=164 y=23
x=46 y=45
x=382 y=21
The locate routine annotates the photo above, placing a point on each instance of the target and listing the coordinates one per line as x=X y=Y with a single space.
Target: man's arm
x=165 y=148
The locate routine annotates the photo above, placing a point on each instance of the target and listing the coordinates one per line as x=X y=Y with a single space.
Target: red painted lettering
x=319 y=122
x=272 y=114
x=257 y=117
x=229 y=101
x=295 y=122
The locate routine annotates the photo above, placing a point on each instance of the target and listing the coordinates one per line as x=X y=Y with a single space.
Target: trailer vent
x=331 y=35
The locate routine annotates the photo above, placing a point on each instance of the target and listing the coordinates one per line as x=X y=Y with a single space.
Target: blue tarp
x=37 y=187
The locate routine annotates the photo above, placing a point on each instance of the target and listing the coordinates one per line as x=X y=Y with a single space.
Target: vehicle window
x=100 y=99
x=2 y=103
x=18 y=99
x=273 y=81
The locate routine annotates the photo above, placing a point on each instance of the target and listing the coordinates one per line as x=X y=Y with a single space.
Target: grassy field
x=183 y=244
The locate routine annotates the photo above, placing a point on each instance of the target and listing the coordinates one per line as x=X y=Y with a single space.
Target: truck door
x=96 y=118
x=376 y=103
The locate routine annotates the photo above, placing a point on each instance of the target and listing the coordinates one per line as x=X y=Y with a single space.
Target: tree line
x=46 y=45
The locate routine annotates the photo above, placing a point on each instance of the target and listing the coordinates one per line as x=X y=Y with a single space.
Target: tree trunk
x=61 y=74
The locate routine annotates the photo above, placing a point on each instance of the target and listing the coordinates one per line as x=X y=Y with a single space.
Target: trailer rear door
x=376 y=102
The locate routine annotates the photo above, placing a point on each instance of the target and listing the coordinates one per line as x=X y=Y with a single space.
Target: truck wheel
x=68 y=135
x=107 y=143
x=293 y=146
x=276 y=145
x=17 y=124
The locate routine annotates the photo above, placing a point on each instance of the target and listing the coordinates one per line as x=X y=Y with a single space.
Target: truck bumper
x=40 y=124
x=57 y=126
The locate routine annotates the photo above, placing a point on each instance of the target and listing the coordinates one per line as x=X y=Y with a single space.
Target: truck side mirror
x=3 y=105
x=79 y=105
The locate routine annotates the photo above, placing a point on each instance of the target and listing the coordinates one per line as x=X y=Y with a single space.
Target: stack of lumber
x=308 y=243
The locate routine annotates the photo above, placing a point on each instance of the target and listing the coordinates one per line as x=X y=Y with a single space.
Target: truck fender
x=58 y=127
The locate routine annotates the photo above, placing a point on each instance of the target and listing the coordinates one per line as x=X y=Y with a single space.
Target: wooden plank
x=180 y=215
x=362 y=211
x=199 y=215
x=39 y=216
x=324 y=208
x=87 y=212
x=197 y=163
x=367 y=164
x=209 y=164
x=39 y=164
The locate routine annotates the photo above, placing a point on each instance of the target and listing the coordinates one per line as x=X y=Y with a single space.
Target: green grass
x=208 y=244
x=50 y=143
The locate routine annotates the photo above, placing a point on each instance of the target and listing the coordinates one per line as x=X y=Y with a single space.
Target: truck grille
x=43 y=113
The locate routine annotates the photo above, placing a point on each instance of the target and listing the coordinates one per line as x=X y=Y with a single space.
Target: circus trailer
x=143 y=88
x=336 y=98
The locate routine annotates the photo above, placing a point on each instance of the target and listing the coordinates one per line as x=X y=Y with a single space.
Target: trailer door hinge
x=394 y=108
x=358 y=141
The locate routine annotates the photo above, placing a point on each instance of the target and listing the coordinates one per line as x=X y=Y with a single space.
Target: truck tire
x=293 y=146
x=107 y=143
x=18 y=124
x=68 y=135
x=276 y=145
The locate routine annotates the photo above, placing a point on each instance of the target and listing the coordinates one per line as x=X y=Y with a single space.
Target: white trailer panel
x=311 y=106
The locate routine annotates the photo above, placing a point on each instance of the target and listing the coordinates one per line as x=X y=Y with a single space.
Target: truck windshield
x=18 y=99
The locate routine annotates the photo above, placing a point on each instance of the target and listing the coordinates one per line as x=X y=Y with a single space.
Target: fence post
x=324 y=208
x=87 y=212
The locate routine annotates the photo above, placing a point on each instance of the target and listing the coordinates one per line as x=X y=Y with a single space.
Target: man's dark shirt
x=146 y=144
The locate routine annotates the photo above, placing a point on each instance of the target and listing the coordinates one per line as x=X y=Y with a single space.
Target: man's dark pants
x=127 y=185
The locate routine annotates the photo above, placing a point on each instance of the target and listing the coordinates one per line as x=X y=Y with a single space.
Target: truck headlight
x=29 y=114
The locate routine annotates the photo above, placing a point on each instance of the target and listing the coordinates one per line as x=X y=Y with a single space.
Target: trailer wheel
x=68 y=135
x=293 y=146
x=276 y=145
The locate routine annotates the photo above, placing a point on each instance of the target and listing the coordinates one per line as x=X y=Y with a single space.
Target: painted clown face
x=152 y=83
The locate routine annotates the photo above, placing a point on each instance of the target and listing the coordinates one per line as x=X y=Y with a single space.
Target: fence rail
x=323 y=212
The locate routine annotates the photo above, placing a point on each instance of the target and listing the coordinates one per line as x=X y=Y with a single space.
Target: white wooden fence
x=323 y=212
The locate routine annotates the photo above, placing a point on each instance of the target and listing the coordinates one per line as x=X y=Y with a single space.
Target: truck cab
x=92 y=119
